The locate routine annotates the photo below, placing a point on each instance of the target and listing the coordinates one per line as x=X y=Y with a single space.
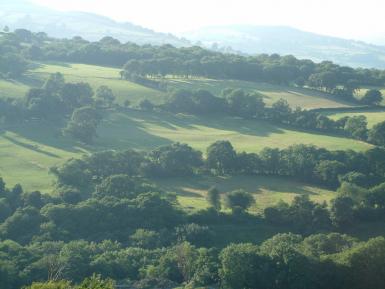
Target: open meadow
x=92 y=74
x=373 y=116
x=30 y=149
x=296 y=97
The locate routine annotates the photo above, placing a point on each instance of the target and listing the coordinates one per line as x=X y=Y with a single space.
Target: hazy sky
x=359 y=19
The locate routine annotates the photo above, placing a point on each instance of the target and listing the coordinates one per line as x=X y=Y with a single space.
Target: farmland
x=31 y=148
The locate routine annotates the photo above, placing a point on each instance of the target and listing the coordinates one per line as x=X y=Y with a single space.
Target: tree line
x=146 y=61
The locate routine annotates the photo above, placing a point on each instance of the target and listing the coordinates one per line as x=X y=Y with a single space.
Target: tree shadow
x=197 y=186
x=33 y=147
x=251 y=127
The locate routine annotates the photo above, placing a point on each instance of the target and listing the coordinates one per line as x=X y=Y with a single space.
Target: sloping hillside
x=286 y=40
x=23 y=14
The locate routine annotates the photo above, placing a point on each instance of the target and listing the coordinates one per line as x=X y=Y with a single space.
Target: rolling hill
x=243 y=39
x=23 y=14
x=286 y=40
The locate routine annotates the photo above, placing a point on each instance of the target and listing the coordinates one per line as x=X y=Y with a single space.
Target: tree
x=74 y=95
x=356 y=126
x=55 y=83
x=146 y=105
x=214 y=198
x=239 y=200
x=377 y=134
x=119 y=186
x=83 y=124
x=372 y=97
x=221 y=157
x=242 y=266
x=341 y=211
x=105 y=96
x=96 y=282
x=365 y=264
x=328 y=172
x=244 y=104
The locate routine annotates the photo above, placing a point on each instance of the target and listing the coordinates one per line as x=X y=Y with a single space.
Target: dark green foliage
x=356 y=126
x=377 y=134
x=372 y=97
x=83 y=124
x=302 y=215
x=146 y=105
x=239 y=200
x=172 y=160
x=341 y=211
x=105 y=96
x=329 y=171
x=243 y=266
x=214 y=198
x=221 y=157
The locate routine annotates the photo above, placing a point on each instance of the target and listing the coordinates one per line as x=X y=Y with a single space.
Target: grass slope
x=267 y=191
x=302 y=97
x=94 y=75
x=143 y=130
x=125 y=90
x=373 y=117
x=28 y=150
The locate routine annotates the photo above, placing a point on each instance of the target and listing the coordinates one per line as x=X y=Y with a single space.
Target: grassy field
x=267 y=191
x=94 y=75
x=373 y=117
x=27 y=151
x=143 y=130
x=125 y=90
x=302 y=97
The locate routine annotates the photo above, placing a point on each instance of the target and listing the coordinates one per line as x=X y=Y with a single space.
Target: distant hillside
x=234 y=38
x=22 y=14
x=286 y=40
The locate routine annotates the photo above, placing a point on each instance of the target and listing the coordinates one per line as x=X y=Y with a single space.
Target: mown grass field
x=302 y=97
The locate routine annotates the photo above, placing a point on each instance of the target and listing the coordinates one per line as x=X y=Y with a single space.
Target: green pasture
x=373 y=117
x=302 y=97
x=27 y=151
x=267 y=191
x=94 y=75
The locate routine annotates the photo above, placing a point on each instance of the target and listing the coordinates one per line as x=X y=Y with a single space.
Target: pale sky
x=357 y=19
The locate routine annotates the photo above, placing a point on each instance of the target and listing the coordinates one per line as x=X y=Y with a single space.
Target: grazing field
x=28 y=150
x=373 y=117
x=302 y=97
x=143 y=130
x=94 y=75
x=125 y=90
x=267 y=191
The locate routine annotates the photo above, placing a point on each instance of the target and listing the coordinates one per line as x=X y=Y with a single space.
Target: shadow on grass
x=32 y=147
x=173 y=122
x=197 y=186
